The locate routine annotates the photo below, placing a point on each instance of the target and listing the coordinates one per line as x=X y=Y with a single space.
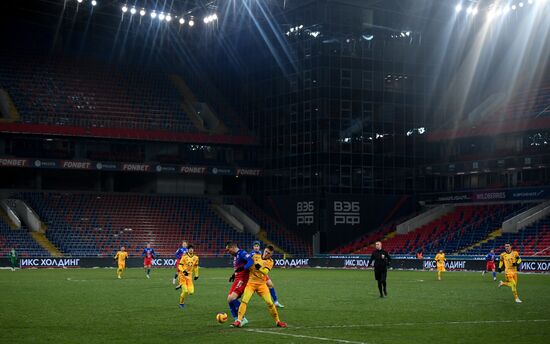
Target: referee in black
x=382 y=261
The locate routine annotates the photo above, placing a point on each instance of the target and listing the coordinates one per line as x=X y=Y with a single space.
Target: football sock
x=514 y=289
x=242 y=311
x=494 y=274
x=148 y=271
x=183 y=295
x=273 y=311
x=176 y=276
x=384 y=286
x=380 y=288
x=273 y=294
x=234 y=308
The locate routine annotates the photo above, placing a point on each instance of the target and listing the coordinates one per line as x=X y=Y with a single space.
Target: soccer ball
x=221 y=317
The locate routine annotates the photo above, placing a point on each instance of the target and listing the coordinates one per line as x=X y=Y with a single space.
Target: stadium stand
x=462 y=227
x=532 y=240
x=88 y=94
x=529 y=103
x=21 y=240
x=98 y=224
x=362 y=244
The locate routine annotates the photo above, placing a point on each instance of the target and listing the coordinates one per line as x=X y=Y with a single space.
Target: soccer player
x=440 y=263
x=490 y=264
x=180 y=252
x=256 y=250
x=257 y=284
x=381 y=260
x=241 y=264
x=121 y=256
x=188 y=266
x=148 y=254
x=510 y=259
x=12 y=256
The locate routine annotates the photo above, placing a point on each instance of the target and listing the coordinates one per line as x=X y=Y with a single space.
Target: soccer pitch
x=328 y=306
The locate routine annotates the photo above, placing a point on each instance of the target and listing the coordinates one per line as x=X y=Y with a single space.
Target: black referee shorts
x=380 y=275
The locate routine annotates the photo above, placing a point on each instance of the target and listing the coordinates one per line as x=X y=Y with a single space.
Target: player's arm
x=518 y=260
x=196 y=269
x=116 y=256
x=181 y=266
x=371 y=259
x=264 y=268
x=143 y=253
x=153 y=253
x=500 y=263
x=249 y=261
x=388 y=258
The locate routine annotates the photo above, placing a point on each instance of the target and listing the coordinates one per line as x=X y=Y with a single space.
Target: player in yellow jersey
x=257 y=283
x=187 y=267
x=510 y=260
x=121 y=256
x=440 y=263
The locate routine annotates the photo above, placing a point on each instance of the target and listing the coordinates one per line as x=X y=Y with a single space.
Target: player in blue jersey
x=490 y=264
x=148 y=254
x=242 y=261
x=256 y=250
x=179 y=253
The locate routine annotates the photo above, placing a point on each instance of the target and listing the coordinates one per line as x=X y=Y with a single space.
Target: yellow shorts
x=512 y=276
x=186 y=283
x=440 y=267
x=122 y=266
x=261 y=289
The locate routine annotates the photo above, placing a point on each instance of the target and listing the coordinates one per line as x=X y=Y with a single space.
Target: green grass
x=92 y=306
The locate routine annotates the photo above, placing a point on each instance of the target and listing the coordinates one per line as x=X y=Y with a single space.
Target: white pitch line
x=474 y=322
x=308 y=337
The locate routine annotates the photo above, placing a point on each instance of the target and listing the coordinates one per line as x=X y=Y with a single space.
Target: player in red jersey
x=490 y=265
x=241 y=263
x=148 y=254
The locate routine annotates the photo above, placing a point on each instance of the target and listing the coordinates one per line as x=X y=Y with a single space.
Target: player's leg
x=183 y=286
x=440 y=270
x=377 y=276
x=236 y=290
x=513 y=285
x=506 y=281
x=149 y=271
x=234 y=303
x=175 y=279
x=183 y=295
x=187 y=289
x=190 y=286
x=494 y=273
x=263 y=292
x=383 y=276
x=273 y=293
x=248 y=292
